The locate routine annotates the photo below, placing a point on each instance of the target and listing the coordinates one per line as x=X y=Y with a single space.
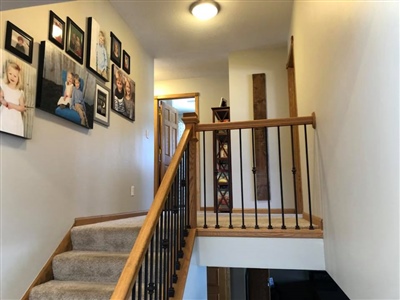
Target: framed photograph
x=17 y=98
x=102 y=101
x=116 y=47
x=123 y=94
x=97 y=50
x=75 y=41
x=126 y=66
x=19 y=42
x=56 y=30
x=65 y=88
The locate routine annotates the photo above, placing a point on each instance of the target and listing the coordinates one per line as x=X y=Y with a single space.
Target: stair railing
x=152 y=268
x=242 y=174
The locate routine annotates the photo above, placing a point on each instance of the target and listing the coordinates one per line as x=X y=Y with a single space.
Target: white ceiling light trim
x=204 y=9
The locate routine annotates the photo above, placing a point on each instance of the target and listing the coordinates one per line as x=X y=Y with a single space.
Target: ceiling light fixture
x=204 y=9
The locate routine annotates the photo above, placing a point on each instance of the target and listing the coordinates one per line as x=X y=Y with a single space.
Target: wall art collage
x=61 y=85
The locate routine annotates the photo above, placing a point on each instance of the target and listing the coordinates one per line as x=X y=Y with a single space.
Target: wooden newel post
x=191 y=120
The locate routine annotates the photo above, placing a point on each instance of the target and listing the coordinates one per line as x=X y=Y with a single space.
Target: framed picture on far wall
x=116 y=46
x=102 y=101
x=19 y=42
x=75 y=41
x=56 y=30
x=126 y=65
x=123 y=94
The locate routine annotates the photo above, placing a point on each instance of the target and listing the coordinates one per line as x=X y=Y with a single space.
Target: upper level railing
x=152 y=269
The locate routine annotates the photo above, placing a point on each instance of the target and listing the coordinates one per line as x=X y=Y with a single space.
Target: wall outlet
x=132 y=190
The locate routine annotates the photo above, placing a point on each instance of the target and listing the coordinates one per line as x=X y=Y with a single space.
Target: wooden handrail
x=136 y=256
x=258 y=123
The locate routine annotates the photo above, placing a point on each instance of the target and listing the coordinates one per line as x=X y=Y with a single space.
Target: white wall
x=347 y=71
x=66 y=171
x=242 y=65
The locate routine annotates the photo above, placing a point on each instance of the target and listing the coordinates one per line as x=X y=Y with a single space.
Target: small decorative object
x=102 y=104
x=115 y=50
x=65 y=89
x=97 y=50
x=17 y=98
x=223 y=102
x=19 y=42
x=56 y=30
x=123 y=94
x=75 y=41
x=126 y=66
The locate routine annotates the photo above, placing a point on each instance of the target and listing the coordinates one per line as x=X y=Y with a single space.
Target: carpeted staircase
x=91 y=270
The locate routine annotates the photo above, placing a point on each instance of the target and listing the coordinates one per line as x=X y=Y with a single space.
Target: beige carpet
x=249 y=220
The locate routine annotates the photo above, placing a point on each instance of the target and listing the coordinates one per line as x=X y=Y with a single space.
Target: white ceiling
x=184 y=47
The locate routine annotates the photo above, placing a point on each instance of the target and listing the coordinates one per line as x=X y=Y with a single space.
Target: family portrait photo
x=56 y=30
x=123 y=98
x=17 y=96
x=65 y=89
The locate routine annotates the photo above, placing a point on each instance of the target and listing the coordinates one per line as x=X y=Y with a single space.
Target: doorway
x=168 y=128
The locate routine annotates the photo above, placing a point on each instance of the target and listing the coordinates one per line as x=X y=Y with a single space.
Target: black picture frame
x=56 y=30
x=54 y=69
x=102 y=104
x=115 y=50
x=126 y=62
x=122 y=104
x=19 y=42
x=96 y=49
x=75 y=41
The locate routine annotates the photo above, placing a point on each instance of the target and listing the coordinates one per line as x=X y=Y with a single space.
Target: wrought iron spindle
x=139 y=283
x=204 y=180
x=157 y=282
x=187 y=192
x=254 y=170
x=151 y=286
x=217 y=166
x=311 y=227
x=241 y=176
x=267 y=176
x=146 y=274
x=294 y=179
x=280 y=177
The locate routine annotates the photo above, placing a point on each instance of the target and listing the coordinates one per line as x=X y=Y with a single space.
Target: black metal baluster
x=220 y=144
x=139 y=283
x=267 y=176
x=204 y=180
x=241 y=176
x=146 y=274
x=156 y=260
x=254 y=170
x=181 y=206
x=171 y=245
x=294 y=179
x=174 y=231
x=311 y=227
x=187 y=202
x=164 y=253
x=134 y=291
x=280 y=178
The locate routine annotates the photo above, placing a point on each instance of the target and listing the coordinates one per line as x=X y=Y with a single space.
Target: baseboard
x=316 y=220
x=46 y=273
x=252 y=210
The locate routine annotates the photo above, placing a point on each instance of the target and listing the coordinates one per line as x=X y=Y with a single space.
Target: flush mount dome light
x=204 y=9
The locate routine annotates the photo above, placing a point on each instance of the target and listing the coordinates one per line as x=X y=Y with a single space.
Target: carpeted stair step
x=68 y=290
x=94 y=266
x=113 y=236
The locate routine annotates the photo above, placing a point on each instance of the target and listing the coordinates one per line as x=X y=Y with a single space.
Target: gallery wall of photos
x=62 y=84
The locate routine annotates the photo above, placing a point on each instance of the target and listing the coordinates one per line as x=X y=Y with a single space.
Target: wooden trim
x=261 y=233
x=136 y=256
x=185 y=264
x=46 y=273
x=177 y=96
x=316 y=220
x=104 y=218
x=252 y=210
x=255 y=124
